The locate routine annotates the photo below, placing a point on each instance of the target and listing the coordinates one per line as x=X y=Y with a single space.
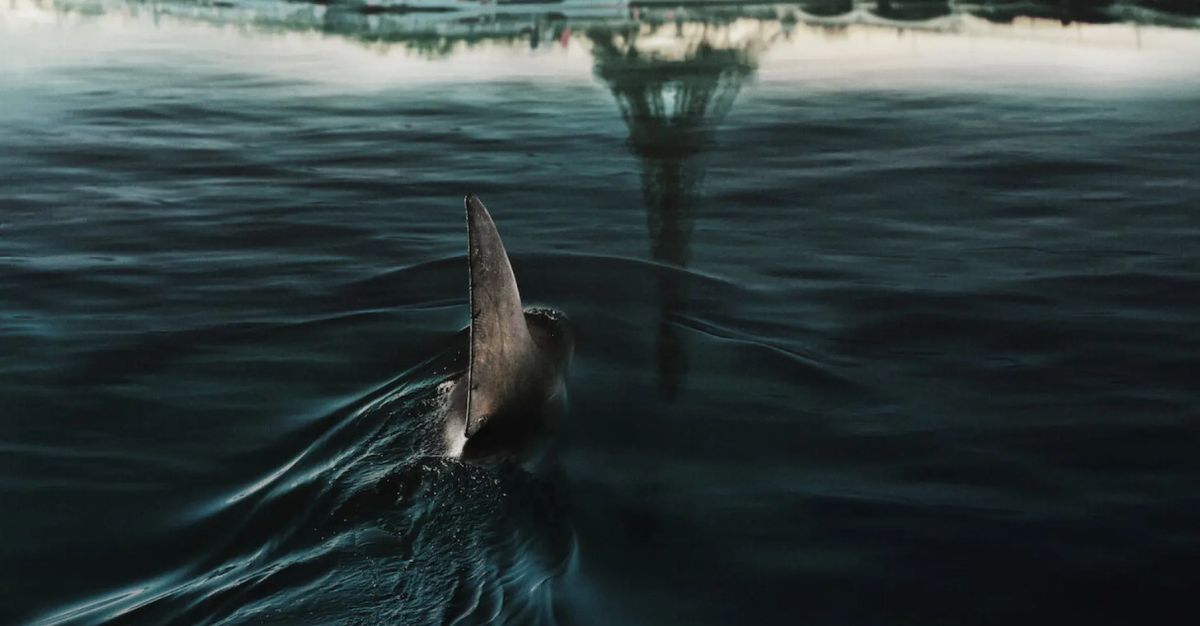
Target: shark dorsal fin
x=501 y=346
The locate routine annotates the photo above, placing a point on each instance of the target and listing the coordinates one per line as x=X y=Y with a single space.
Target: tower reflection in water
x=674 y=84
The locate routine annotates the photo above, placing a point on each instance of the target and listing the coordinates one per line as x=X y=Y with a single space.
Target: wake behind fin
x=502 y=350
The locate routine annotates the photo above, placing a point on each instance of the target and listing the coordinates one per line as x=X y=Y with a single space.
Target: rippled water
x=885 y=314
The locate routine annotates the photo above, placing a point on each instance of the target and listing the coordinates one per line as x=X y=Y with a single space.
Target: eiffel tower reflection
x=674 y=84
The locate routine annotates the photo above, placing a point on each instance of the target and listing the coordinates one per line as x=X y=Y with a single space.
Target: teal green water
x=885 y=314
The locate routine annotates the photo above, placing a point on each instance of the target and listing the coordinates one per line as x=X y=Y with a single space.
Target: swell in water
x=367 y=520
x=366 y=524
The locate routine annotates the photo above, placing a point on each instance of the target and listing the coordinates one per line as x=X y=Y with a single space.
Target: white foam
x=454 y=431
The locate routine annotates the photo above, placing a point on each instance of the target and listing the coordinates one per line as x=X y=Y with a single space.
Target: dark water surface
x=883 y=317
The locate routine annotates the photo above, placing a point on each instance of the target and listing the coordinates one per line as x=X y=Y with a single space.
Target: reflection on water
x=436 y=28
x=905 y=336
x=995 y=32
x=673 y=94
